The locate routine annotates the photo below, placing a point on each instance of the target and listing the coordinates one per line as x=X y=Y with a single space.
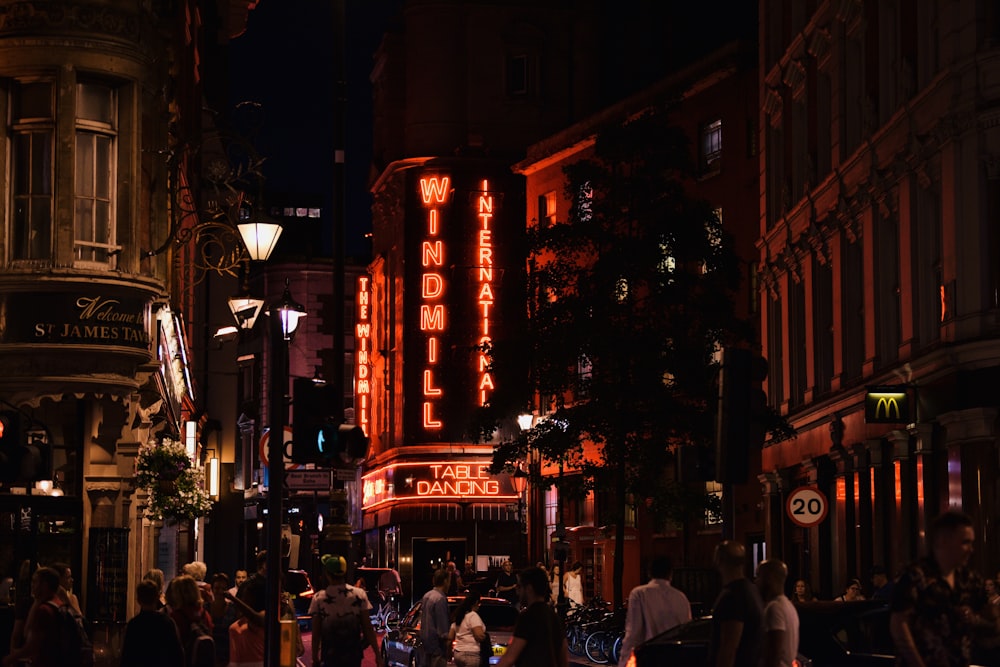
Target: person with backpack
x=55 y=633
x=193 y=621
x=151 y=638
x=340 y=621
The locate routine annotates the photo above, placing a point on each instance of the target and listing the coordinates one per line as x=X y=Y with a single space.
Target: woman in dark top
x=151 y=638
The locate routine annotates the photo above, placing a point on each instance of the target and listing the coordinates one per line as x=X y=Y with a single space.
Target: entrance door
x=429 y=554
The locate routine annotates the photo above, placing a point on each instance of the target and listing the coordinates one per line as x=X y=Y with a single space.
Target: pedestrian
x=506 y=584
x=151 y=638
x=852 y=592
x=434 y=622
x=539 y=635
x=223 y=614
x=156 y=576
x=455 y=584
x=939 y=605
x=737 y=614
x=781 y=621
x=468 y=631
x=197 y=570
x=23 y=604
x=65 y=591
x=341 y=625
x=389 y=584
x=194 y=625
x=254 y=590
x=653 y=607
x=573 y=585
x=992 y=593
x=881 y=584
x=246 y=638
x=803 y=592
x=554 y=578
x=41 y=646
x=239 y=577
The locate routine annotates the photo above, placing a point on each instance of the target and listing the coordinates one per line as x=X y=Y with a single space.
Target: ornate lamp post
x=284 y=320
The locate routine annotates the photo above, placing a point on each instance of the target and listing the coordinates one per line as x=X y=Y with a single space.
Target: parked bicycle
x=386 y=615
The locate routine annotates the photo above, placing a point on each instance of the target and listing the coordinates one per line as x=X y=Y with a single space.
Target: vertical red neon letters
x=434 y=191
x=485 y=297
x=362 y=350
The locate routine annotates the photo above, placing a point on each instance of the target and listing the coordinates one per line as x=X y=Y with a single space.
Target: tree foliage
x=629 y=298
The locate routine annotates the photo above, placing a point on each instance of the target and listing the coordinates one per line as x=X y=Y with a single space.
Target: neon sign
x=485 y=297
x=434 y=192
x=436 y=480
x=362 y=351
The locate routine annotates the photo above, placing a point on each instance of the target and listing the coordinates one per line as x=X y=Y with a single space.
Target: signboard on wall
x=80 y=317
x=887 y=405
x=436 y=480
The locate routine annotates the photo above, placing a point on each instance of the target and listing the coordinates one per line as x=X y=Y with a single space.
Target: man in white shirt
x=781 y=620
x=653 y=608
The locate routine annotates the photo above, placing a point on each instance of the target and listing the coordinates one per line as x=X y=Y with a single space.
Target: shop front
x=422 y=514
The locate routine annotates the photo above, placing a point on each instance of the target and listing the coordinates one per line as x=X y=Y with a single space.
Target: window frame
x=29 y=127
x=710 y=147
x=108 y=129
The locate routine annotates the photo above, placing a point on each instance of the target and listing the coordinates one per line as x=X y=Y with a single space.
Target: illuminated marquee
x=362 y=351
x=467 y=480
x=434 y=192
x=485 y=296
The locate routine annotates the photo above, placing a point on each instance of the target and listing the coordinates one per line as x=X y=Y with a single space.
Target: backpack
x=75 y=647
x=342 y=641
x=200 y=651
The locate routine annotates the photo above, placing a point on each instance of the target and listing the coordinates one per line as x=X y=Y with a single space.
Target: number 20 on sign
x=807 y=506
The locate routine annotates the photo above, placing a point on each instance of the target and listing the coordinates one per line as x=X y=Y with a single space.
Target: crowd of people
x=941 y=613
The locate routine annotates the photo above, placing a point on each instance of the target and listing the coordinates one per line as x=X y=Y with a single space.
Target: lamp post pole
x=278 y=390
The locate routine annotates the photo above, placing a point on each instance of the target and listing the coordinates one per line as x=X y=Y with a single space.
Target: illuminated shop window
x=96 y=135
x=32 y=132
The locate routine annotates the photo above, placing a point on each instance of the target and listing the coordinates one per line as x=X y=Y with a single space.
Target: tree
x=629 y=300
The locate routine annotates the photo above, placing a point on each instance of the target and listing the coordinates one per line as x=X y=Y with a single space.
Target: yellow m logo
x=886 y=406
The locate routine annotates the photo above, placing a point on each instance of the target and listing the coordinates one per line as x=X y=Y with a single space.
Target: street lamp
x=284 y=320
x=520 y=481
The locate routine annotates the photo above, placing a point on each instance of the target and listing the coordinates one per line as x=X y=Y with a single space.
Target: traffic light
x=313 y=407
x=318 y=436
x=341 y=443
x=742 y=424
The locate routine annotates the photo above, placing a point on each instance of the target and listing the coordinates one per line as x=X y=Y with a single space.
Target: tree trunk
x=619 y=560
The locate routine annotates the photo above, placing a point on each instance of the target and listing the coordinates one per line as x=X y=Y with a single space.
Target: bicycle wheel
x=616 y=648
x=594 y=646
x=575 y=639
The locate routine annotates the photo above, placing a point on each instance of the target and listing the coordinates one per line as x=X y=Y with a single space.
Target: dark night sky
x=286 y=61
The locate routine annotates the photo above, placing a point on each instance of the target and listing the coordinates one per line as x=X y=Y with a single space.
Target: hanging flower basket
x=176 y=486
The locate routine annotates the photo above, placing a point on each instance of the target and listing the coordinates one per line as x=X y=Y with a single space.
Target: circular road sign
x=263 y=449
x=807 y=506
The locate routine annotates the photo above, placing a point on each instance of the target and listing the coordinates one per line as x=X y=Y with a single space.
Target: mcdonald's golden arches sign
x=887 y=405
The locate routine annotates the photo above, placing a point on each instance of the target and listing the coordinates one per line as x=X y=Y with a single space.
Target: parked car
x=300 y=592
x=831 y=634
x=400 y=645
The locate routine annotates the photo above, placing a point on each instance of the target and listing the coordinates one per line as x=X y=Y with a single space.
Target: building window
x=713 y=489
x=518 y=79
x=547 y=209
x=96 y=133
x=32 y=130
x=711 y=147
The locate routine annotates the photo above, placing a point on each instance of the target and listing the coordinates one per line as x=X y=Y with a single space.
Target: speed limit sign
x=807 y=506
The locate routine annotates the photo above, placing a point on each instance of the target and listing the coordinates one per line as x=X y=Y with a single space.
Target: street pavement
x=305 y=660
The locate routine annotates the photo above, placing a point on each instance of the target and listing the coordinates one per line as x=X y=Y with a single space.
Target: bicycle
x=386 y=615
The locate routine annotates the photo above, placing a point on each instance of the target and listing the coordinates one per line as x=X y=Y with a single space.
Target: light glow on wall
x=435 y=191
x=484 y=280
x=362 y=352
